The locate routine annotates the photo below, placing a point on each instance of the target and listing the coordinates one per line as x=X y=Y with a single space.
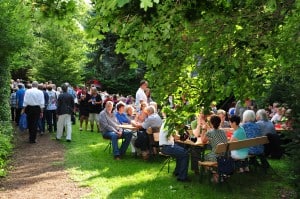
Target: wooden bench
x=221 y=148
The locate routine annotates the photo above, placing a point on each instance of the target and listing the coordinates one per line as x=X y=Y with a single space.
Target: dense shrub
x=5 y=146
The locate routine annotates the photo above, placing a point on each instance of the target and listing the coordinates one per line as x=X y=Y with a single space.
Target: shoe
x=68 y=140
x=175 y=173
x=215 y=178
x=145 y=157
x=183 y=180
x=80 y=129
x=117 y=157
x=241 y=170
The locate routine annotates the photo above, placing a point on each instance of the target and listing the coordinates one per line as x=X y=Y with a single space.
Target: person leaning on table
x=146 y=141
x=198 y=126
x=179 y=153
x=214 y=136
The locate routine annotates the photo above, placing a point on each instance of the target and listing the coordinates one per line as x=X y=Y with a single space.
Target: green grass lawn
x=132 y=177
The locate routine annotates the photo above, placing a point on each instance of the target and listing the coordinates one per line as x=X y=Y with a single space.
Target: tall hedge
x=13 y=33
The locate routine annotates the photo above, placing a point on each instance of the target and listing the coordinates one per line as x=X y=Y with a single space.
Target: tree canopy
x=201 y=51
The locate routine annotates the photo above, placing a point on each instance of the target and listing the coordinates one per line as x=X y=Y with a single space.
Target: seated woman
x=253 y=130
x=142 y=114
x=198 y=126
x=179 y=153
x=129 y=110
x=222 y=114
x=239 y=134
x=214 y=136
x=125 y=119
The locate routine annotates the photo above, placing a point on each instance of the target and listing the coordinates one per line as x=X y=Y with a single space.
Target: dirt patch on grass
x=37 y=171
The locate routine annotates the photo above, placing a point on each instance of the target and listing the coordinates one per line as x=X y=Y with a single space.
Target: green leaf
x=146 y=4
x=121 y=3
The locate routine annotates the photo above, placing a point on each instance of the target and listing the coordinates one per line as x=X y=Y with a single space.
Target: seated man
x=110 y=130
x=154 y=121
x=179 y=153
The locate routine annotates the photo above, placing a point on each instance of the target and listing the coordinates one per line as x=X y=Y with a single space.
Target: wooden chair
x=167 y=161
x=168 y=158
x=153 y=134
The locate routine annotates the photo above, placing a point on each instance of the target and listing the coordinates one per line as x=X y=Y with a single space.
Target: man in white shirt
x=33 y=104
x=140 y=95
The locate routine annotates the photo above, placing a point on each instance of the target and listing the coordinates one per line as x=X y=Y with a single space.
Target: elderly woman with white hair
x=252 y=131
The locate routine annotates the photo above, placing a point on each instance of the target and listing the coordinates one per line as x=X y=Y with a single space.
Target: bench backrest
x=155 y=132
x=221 y=148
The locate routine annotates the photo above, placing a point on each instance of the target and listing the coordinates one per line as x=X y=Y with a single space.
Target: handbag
x=23 y=122
x=225 y=163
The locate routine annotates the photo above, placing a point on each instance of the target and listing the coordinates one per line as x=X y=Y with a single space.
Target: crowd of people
x=55 y=106
x=43 y=103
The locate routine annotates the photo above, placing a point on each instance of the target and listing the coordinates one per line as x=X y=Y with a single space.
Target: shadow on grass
x=87 y=153
x=133 y=178
x=239 y=186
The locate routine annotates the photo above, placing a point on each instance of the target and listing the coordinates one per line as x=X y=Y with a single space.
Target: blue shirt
x=266 y=127
x=20 y=97
x=252 y=131
x=239 y=134
x=122 y=118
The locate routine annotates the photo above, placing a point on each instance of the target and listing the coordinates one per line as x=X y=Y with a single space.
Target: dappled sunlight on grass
x=131 y=177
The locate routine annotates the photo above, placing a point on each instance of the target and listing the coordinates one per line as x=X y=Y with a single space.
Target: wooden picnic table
x=128 y=126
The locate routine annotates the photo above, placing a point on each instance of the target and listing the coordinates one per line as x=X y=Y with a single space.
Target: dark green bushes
x=5 y=146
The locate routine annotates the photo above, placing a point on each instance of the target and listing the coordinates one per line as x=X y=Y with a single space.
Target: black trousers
x=18 y=114
x=33 y=115
x=13 y=113
x=51 y=120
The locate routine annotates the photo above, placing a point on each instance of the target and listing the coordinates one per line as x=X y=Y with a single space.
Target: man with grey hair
x=145 y=142
x=110 y=129
x=33 y=104
x=266 y=126
x=153 y=120
x=273 y=148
